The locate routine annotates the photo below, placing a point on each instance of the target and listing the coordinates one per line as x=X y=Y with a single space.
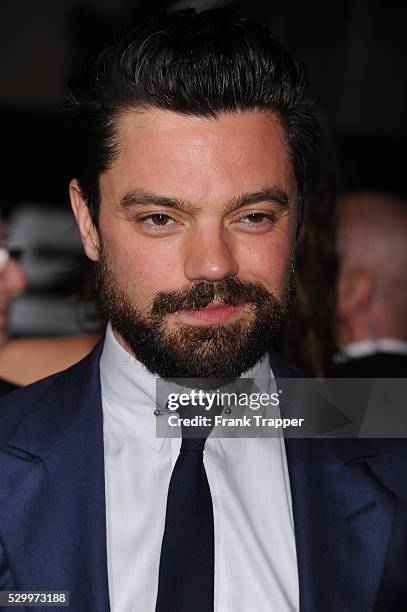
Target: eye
x=158 y=223
x=257 y=218
x=158 y=219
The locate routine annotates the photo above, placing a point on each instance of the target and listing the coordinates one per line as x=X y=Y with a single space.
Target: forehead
x=195 y=157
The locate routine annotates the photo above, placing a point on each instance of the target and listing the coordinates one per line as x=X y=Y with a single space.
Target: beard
x=191 y=351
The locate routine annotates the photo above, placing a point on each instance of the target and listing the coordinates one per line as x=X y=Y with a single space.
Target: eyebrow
x=141 y=198
x=134 y=199
x=269 y=194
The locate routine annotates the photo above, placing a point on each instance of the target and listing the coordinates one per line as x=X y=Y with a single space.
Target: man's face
x=195 y=242
x=12 y=282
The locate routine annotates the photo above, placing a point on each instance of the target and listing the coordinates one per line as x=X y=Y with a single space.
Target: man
x=12 y=282
x=196 y=148
x=372 y=286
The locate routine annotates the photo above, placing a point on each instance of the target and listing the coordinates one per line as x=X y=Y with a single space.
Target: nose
x=12 y=279
x=209 y=257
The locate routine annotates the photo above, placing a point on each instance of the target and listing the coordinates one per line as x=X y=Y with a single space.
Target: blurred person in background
x=371 y=328
x=26 y=360
x=12 y=282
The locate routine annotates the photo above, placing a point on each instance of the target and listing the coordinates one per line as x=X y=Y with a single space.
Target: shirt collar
x=129 y=389
x=370 y=347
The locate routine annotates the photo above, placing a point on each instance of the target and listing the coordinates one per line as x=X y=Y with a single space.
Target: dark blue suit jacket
x=349 y=503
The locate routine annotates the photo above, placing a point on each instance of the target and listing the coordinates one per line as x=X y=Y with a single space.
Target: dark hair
x=196 y=64
x=307 y=340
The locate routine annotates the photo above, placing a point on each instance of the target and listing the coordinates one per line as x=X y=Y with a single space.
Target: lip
x=214 y=313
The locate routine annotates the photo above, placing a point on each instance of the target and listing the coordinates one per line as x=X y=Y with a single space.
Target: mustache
x=231 y=291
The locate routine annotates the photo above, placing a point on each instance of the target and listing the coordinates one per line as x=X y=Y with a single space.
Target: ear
x=87 y=230
x=355 y=292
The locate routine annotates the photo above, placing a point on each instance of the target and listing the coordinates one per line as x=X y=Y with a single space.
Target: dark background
x=355 y=53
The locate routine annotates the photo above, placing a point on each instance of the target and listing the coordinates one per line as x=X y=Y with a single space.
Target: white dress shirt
x=364 y=348
x=255 y=555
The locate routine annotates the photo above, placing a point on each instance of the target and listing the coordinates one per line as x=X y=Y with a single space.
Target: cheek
x=145 y=267
x=267 y=262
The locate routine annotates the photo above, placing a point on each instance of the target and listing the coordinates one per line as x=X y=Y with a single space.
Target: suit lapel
x=53 y=517
x=343 y=519
x=344 y=507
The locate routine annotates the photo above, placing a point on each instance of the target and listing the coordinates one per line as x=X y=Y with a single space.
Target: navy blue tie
x=186 y=575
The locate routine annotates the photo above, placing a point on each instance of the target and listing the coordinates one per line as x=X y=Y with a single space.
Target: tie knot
x=197 y=423
x=193 y=444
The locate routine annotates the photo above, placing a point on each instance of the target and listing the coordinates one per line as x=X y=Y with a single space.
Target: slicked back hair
x=194 y=64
